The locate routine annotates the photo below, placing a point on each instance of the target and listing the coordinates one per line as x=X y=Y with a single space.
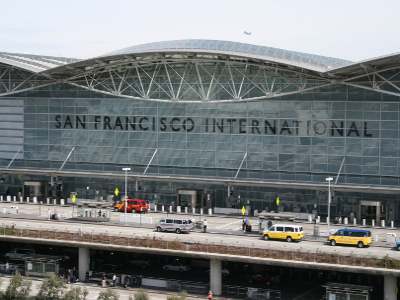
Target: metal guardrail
x=211 y=247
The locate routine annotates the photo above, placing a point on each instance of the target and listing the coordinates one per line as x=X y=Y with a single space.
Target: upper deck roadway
x=223 y=232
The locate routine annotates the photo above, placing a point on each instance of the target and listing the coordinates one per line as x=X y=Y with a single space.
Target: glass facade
x=300 y=137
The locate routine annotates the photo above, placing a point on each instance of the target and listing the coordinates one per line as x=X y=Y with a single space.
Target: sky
x=348 y=29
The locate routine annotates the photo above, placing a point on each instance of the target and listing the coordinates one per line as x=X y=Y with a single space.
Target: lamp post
x=126 y=170
x=329 y=179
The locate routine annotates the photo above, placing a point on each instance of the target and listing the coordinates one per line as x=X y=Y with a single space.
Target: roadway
x=221 y=231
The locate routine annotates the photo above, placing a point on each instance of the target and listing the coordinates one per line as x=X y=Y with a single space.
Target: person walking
x=205 y=225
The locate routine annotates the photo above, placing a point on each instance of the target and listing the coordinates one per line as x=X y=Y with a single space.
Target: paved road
x=251 y=241
x=95 y=290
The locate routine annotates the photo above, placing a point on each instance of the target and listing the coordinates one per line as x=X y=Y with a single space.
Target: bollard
x=201 y=211
x=27 y=199
x=340 y=220
x=354 y=221
x=373 y=222
x=14 y=198
x=62 y=202
x=382 y=223
x=178 y=209
x=21 y=199
x=210 y=211
x=162 y=208
x=318 y=219
x=193 y=210
x=8 y=198
x=170 y=208
x=186 y=209
x=346 y=221
x=1 y=198
x=155 y=208
x=48 y=201
x=391 y=224
x=54 y=201
x=35 y=200
x=364 y=222
x=309 y=218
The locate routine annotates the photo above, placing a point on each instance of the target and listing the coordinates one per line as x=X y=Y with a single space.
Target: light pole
x=126 y=190
x=329 y=179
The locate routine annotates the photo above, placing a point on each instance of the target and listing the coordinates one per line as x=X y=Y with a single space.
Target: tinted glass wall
x=303 y=137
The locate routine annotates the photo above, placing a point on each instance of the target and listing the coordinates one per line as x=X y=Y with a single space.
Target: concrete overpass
x=216 y=248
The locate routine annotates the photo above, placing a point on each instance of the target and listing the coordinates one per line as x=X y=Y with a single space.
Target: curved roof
x=302 y=60
x=34 y=63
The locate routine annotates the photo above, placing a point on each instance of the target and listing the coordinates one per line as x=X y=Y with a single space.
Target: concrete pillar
x=8 y=198
x=373 y=223
x=216 y=276
x=35 y=200
x=170 y=209
x=383 y=223
x=14 y=198
x=391 y=224
x=162 y=208
x=201 y=211
x=390 y=287
x=186 y=209
x=84 y=262
x=48 y=201
x=21 y=199
x=27 y=199
x=62 y=202
x=364 y=222
x=55 y=201
x=155 y=208
x=178 y=209
x=210 y=212
x=1 y=198
x=354 y=221
x=346 y=221
x=193 y=210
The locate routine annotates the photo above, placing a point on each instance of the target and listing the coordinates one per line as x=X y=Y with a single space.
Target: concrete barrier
x=201 y=211
x=309 y=219
x=178 y=209
x=354 y=221
x=155 y=208
x=383 y=223
x=8 y=198
x=170 y=209
x=373 y=222
x=392 y=224
x=54 y=201
x=1 y=198
x=27 y=199
x=318 y=219
x=346 y=221
x=48 y=201
x=210 y=212
x=193 y=210
x=35 y=200
x=14 y=198
x=162 y=208
x=62 y=202
x=186 y=209
x=364 y=222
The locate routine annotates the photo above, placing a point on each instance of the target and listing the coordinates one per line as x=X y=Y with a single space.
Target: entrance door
x=189 y=198
x=370 y=210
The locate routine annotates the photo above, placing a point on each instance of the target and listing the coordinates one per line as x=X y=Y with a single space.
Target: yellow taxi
x=358 y=237
x=286 y=232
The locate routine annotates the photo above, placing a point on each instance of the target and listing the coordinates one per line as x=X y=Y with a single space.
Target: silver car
x=174 y=225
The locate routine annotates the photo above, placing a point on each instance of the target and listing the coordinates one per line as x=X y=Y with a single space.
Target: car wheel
x=360 y=244
x=266 y=237
x=178 y=231
x=332 y=242
x=289 y=239
x=158 y=229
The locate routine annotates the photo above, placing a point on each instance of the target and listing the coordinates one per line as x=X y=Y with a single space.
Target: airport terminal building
x=205 y=123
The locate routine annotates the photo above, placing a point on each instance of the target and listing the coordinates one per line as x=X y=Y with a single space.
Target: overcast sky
x=349 y=29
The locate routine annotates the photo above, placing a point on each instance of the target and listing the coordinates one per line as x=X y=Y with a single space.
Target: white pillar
x=193 y=210
x=170 y=209
x=47 y=201
x=216 y=276
x=373 y=222
x=162 y=208
x=14 y=198
x=8 y=198
x=1 y=198
x=27 y=199
x=210 y=211
x=346 y=221
x=318 y=219
x=383 y=223
x=391 y=224
x=186 y=209
x=309 y=218
x=54 y=201
x=35 y=200
x=390 y=287
x=21 y=199
x=62 y=202
x=354 y=221
x=364 y=222
x=201 y=211
x=84 y=262
x=178 y=209
x=155 y=207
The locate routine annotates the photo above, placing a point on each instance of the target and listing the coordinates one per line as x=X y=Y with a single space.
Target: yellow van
x=284 y=232
x=359 y=237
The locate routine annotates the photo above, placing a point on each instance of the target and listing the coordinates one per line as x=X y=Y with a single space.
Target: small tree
x=18 y=288
x=51 y=289
x=76 y=293
x=141 y=295
x=108 y=294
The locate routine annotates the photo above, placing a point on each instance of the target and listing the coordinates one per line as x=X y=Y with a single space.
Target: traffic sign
x=116 y=191
x=243 y=211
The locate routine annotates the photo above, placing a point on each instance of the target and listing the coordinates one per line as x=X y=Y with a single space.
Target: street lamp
x=329 y=179
x=126 y=190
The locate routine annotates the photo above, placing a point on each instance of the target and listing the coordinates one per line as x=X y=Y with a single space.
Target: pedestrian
x=114 y=279
x=205 y=225
x=210 y=295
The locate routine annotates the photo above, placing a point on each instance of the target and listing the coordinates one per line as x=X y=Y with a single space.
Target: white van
x=174 y=225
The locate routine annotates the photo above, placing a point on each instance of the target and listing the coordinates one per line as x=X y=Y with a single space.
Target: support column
x=390 y=287
x=84 y=262
x=216 y=276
